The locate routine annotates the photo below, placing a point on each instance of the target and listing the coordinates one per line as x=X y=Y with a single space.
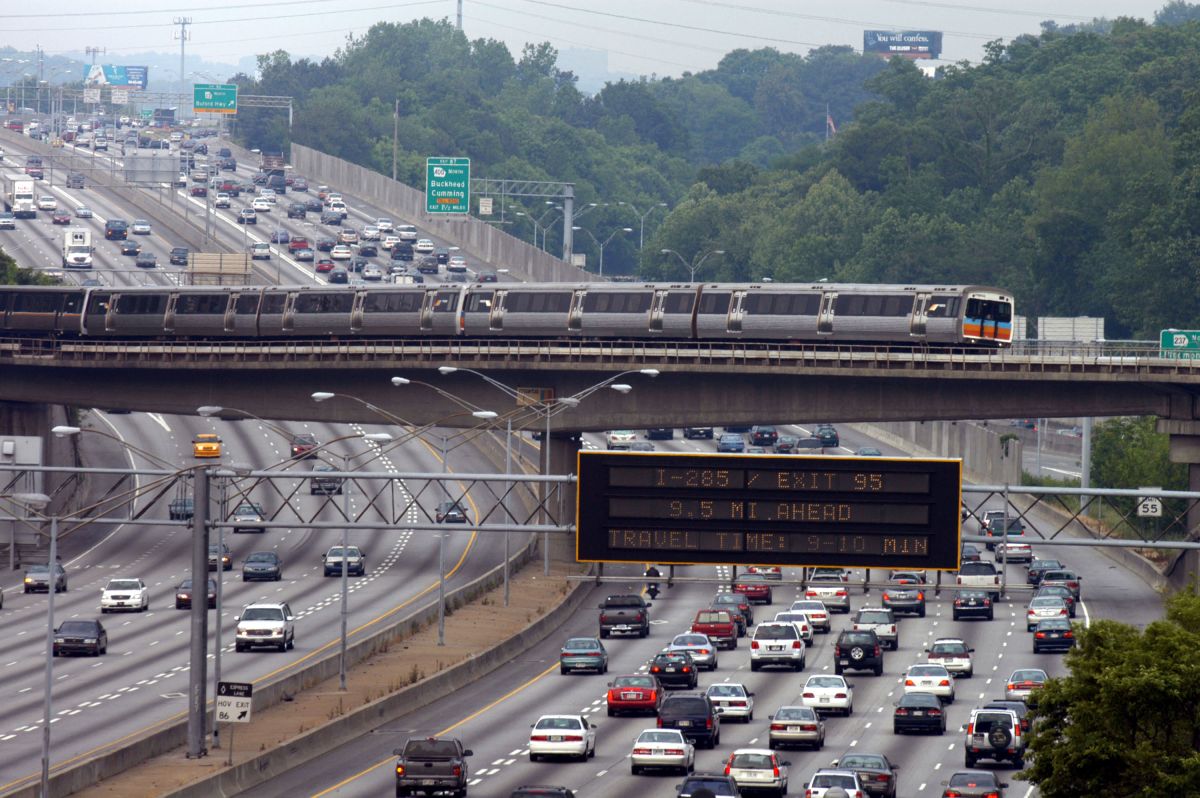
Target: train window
x=850 y=305
x=714 y=304
x=98 y=305
x=897 y=305
x=539 y=302
x=37 y=302
x=272 y=304
x=479 y=302
x=679 y=302
x=445 y=302
x=335 y=302
x=782 y=304
x=201 y=304
x=3 y=301
x=942 y=306
x=72 y=303
x=141 y=304
x=597 y=302
x=619 y=302
x=400 y=302
x=247 y=304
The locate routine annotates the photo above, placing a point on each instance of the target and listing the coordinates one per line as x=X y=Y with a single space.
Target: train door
x=110 y=317
x=733 y=323
x=427 y=310
x=918 y=321
x=289 y=313
x=657 y=311
x=826 y=312
x=169 y=313
x=496 y=318
x=575 y=313
x=230 y=311
x=356 y=312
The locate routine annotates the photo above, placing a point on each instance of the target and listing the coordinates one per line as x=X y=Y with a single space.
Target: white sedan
x=818 y=614
x=800 y=621
x=826 y=693
x=424 y=246
x=952 y=654
x=47 y=203
x=662 y=748
x=262 y=205
x=734 y=700
x=372 y=273
x=341 y=252
x=125 y=594
x=562 y=735
x=384 y=224
x=928 y=678
x=370 y=233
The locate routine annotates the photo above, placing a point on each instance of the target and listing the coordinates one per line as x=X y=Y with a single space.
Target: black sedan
x=326 y=243
x=368 y=250
x=183 y=595
x=1053 y=634
x=920 y=712
x=973 y=604
x=130 y=247
x=146 y=260
x=450 y=512
x=262 y=565
x=179 y=256
x=80 y=637
x=675 y=669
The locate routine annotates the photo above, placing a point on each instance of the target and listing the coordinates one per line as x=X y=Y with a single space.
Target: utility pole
x=182 y=22
x=460 y=15
x=91 y=51
x=395 y=135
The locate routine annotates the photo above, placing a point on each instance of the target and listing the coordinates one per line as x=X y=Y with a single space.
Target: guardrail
x=1051 y=362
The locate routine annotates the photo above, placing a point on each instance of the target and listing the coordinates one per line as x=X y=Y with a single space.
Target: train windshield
x=988 y=319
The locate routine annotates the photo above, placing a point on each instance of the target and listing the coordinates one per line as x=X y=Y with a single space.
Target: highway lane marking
x=446 y=731
x=157 y=419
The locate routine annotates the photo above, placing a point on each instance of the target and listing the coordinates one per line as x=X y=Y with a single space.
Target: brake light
x=687 y=668
x=934 y=712
x=737 y=703
x=727 y=770
x=660 y=723
x=399 y=769
x=808 y=727
x=885 y=595
x=1040 y=635
x=958 y=579
x=539 y=738
x=643 y=751
x=797 y=644
x=953 y=794
x=920 y=596
x=708 y=722
x=840 y=593
x=808 y=695
x=841 y=695
x=901 y=711
x=944 y=683
x=753 y=644
x=776 y=769
x=1062 y=611
x=970 y=728
x=1011 y=685
x=909 y=683
x=457 y=770
x=810 y=593
x=565 y=654
x=703 y=651
x=1068 y=634
x=655 y=669
x=673 y=751
x=573 y=738
x=778 y=727
x=877 y=651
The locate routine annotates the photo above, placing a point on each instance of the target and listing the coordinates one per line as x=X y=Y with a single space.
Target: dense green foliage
x=1126 y=720
x=635 y=142
x=1065 y=167
x=1128 y=452
x=11 y=274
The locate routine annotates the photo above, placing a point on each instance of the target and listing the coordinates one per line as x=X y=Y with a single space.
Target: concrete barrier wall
x=173 y=734
x=479 y=239
x=991 y=462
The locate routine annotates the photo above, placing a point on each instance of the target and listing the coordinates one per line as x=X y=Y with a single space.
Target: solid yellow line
x=442 y=733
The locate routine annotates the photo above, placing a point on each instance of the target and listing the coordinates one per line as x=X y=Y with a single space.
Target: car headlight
x=60 y=640
x=29 y=580
x=90 y=640
x=182 y=595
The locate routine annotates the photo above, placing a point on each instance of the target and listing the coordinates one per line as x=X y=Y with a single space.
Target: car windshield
x=927 y=670
x=559 y=723
x=691 y=641
x=261 y=556
x=948 y=648
x=77 y=627
x=124 y=584
x=1029 y=675
x=247 y=509
x=664 y=736
x=633 y=681
x=727 y=690
x=843 y=780
x=778 y=631
x=796 y=713
x=263 y=614
x=862 y=761
x=581 y=644
x=974 y=779
x=873 y=617
x=752 y=761
x=825 y=681
x=351 y=551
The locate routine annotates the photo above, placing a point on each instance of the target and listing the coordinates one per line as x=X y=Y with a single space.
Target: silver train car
x=820 y=312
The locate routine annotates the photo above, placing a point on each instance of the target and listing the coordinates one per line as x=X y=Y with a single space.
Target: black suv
x=763 y=436
x=116 y=229
x=694 y=715
x=715 y=783
x=297 y=210
x=179 y=256
x=827 y=435
x=859 y=651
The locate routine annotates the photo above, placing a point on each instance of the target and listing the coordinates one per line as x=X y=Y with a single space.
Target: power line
x=858 y=23
x=1011 y=11
x=142 y=12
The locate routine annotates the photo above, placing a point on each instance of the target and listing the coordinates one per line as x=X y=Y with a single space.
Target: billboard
x=130 y=77
x=913 y=44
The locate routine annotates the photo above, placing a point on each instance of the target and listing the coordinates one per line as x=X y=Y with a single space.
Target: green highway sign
x=447 y=185
x=1179 y=344
x=214 y=98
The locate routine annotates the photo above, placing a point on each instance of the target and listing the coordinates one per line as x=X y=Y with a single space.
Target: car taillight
x=1040 y=635
x=673 y=751
x=753 y=644
x=909 y=683
x=920 y=597
x=808 y=695
x=841 y=695
x=1062 y=611
x=901 y=711
x=837 y=651
x=737 y=703
x=687 y=669
x=776 y=770
x=797 y=644
x=655 y=669
x=944 y=683
x=993 y=795
x=1068 y=634
x=573 y=738
x=934 y=712
x=457 y=770
x=704 y=651
x=808 y=727
x=970 y=728
x=778 y=727
x=987 y=602
x=539 y=738
x=565 y=654
x=810 y=594
x=958 y=579
x=885 y=595
x=1011 y=685
x=708 y=722
x=877 y=651
x=841 y=593
x=660 y=723
x=952 y=794
x=727 y=770
x=643 y=751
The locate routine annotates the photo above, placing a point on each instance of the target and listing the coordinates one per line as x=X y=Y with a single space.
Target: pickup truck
x=432 y=765
x=625 y=614
x=719 y=625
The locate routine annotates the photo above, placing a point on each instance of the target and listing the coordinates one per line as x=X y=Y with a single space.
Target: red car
x=297 y=243
x=772 y=572
x=324 y=265
x=61 y=217
x=754 y=587
x=636 y=693
x=199 y=191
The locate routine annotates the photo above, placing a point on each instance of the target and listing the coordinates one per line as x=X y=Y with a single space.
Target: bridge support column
x=1185 y=448
x=25 y=439
x=562 y=450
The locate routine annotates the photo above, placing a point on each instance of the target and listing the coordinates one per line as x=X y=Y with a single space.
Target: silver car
x=662 y=748
x=797 y=726
x=734 y=700
x=702 y=649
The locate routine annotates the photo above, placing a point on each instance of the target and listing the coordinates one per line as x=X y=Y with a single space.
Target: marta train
x=921 y=315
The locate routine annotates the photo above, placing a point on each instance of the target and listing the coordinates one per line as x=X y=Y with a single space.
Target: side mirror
x=718 y=710
x=834 y=763
x=398 y=751
x=648 y=604
x=593 y=725
x=468 y=752
x=749 y=692
x=610 y=684
x=970 y=651
x=963 y=727
x=599 y=606
x=770 y=717
x=237 y=617
x=1004 y=784
x=785 y=764
x=291 y=617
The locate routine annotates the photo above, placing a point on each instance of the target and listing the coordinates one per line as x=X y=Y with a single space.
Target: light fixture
x=64 y=431
x=208 y=410
x=321 y=396
x=377 y=437
x=443 y=370
x=621 y=387
x=398 y=381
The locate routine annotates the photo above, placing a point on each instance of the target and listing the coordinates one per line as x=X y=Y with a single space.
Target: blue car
x=731 y=442
x=583 y=654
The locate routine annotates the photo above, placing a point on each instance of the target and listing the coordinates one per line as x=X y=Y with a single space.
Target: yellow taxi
x=206 y=444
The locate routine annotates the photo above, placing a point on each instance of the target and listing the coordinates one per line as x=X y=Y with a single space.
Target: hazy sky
x=664 y=37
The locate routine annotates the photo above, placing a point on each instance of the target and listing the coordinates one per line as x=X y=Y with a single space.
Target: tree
x=1131 y=453
x=1125 y=721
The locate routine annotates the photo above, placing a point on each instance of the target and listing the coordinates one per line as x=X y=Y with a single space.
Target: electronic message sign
x=868 y=512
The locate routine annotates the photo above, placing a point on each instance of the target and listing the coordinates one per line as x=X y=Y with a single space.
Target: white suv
x=994 y=734
x=777 y=643
x=266 y=624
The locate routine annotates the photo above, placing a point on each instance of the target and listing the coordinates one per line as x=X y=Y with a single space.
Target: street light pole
x=442 y=562
x=695 y=265
x=642 y=219
x=507 y=491
x=345 y=574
